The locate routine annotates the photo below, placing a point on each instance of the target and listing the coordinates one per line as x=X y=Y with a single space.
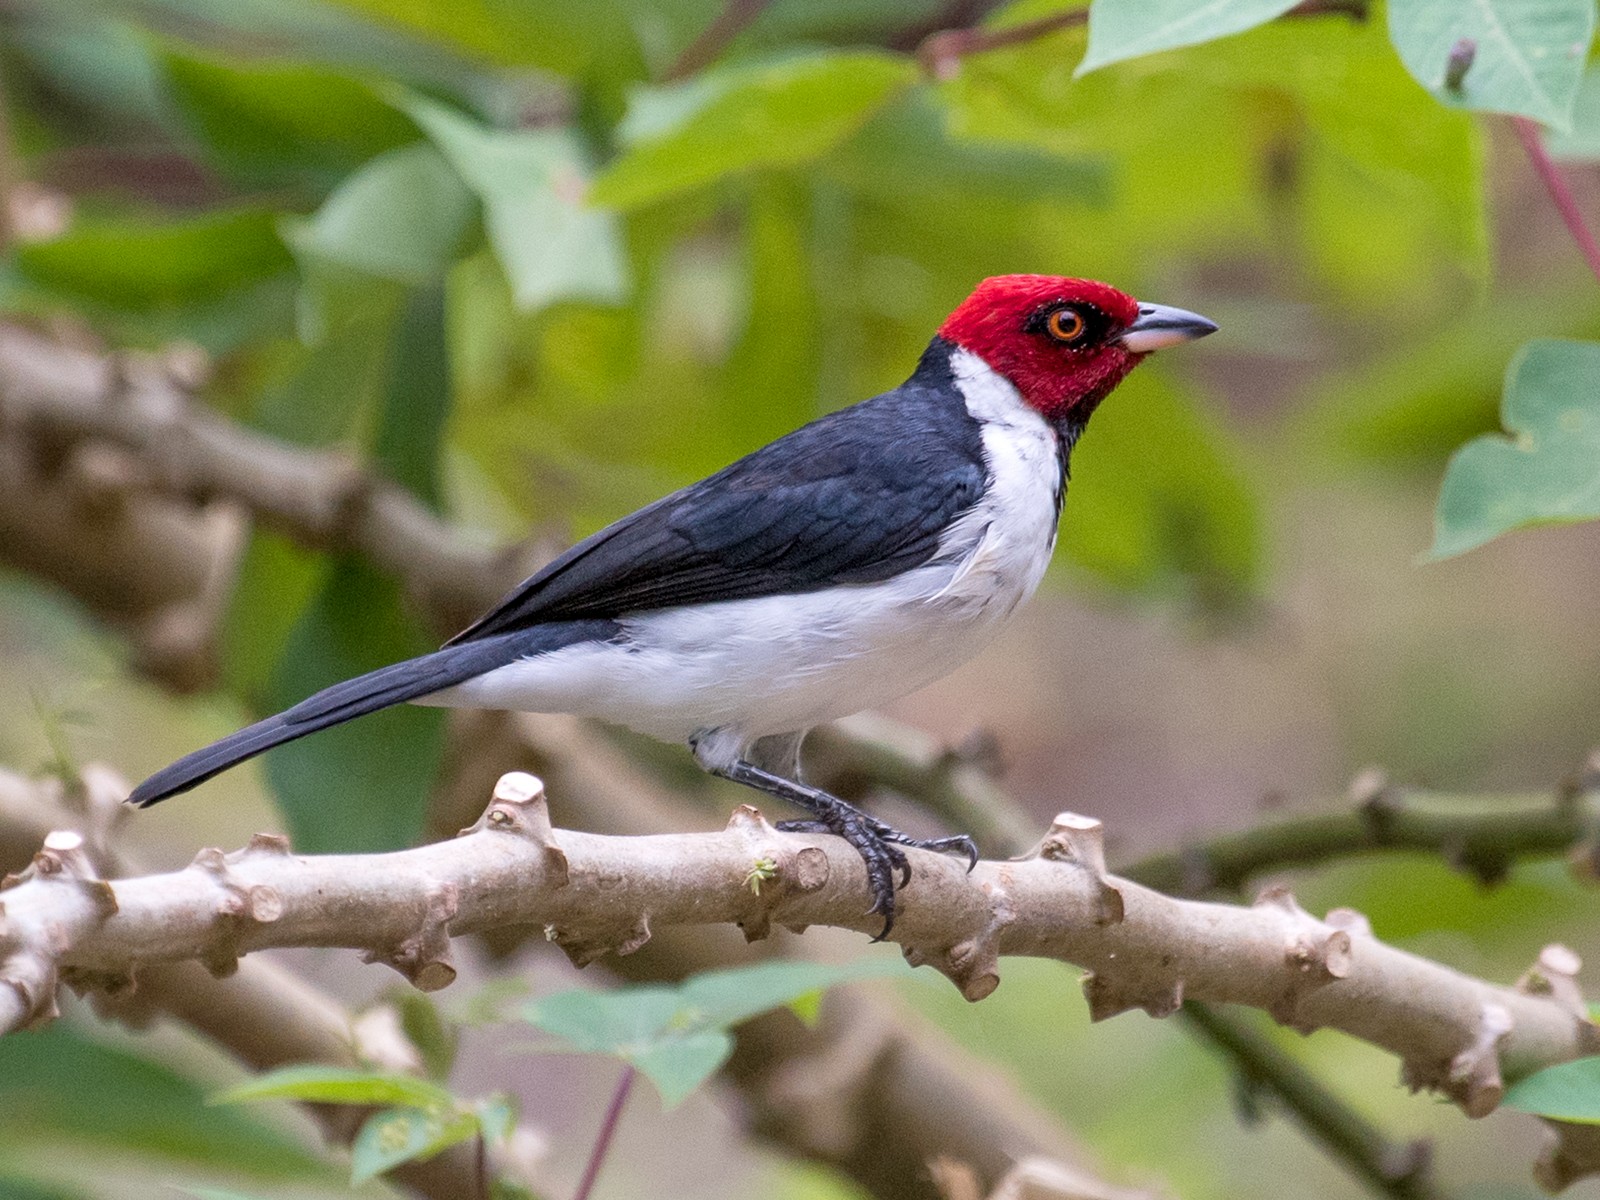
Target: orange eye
x=1065 y=324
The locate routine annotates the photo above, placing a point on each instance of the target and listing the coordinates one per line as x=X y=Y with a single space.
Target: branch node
x=582 y=947
x=1572 y=1153
x=1555 y=974
x=1107 y=999
x=1317 y=952
x=424 y=957
x=972 y=964
x=266 y=845
x=1079 y=839
x=1472 y=1077
x=776 y=869
x=519 y=807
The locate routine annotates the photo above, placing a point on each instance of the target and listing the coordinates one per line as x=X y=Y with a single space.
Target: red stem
x=608 y=1129
x=1556 y=184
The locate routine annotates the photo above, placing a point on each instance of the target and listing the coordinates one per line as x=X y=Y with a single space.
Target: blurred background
x=540 y=263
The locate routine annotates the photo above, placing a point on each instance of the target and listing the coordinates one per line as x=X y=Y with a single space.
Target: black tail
x=353 y=698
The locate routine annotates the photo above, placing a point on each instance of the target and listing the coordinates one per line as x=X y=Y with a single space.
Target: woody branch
x=595 y=894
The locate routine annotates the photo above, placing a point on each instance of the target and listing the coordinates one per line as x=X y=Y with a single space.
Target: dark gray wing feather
x=855 y=497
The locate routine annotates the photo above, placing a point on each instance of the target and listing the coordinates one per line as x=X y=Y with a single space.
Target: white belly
x=782 y=664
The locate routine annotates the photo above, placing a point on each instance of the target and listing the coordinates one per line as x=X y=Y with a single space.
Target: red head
x=1064 y=343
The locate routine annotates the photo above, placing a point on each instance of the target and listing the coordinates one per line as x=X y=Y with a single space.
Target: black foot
x=878 y=845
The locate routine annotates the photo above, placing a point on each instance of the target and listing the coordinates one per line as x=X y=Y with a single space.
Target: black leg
x=877 y=843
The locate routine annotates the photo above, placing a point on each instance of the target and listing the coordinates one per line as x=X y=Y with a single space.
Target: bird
x=838 y=568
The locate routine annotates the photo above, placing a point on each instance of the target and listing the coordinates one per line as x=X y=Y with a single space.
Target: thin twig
x=941 y=53
x=714 y=39
x=608 y=1130
x=1555 y=183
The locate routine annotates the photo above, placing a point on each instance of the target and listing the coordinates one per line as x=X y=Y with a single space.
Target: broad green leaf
x=724 y=998
x=607 y=1022
x=678 y=1065
x=1527 y=59
x=276 y=581
x=677 y=1035
x=340 y=1085
x=21 y=1187
x=141 y=266
x=1582 y=141
x=403 y=216
x=416 y=399
x=361 y=786
x=60 y=1083
x=207 y=1193
x=532 y=183
x=1121 y=29
x=399 y=1135
x=435 y=1038
x=92 y=60
x=906 y=144
x=1568 y=1091
x=1547 y=471
x=738 y=118
x=268 y=122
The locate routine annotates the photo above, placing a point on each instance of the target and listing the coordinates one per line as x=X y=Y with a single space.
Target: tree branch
x=263 y=1015
x=594 y=894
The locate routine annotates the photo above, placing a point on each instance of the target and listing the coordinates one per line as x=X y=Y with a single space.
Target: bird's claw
x=879 y=844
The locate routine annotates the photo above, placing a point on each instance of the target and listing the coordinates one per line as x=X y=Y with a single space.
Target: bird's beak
x=1159 y=326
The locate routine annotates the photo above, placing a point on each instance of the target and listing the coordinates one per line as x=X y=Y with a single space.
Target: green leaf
x=416 y=399
x=1582 y=141
x=725 y=998
x=269 y=122
x=141 y=266
x=1568 y=1091
x=362 y=786
x=403 y=216
x=60 y=1083
x=399 y=1135
x=678 y=1065
x=1548 y=471
x=1528 y=56
x=677 y=1036
x=532 y=184
x=340 y=1085
x=435 y=1038
x=616 y=1022
x=1121 y=29
x=20 y=1187
x=738 y=118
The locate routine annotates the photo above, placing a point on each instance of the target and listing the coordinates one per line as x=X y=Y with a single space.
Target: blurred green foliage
x=501 y=253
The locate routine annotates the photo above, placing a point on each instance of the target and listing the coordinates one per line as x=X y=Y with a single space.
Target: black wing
x=851 y=498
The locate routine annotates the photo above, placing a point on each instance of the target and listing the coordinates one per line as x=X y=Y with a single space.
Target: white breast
x=782 y=664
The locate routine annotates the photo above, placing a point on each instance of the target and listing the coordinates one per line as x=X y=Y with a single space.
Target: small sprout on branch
x=764 y=870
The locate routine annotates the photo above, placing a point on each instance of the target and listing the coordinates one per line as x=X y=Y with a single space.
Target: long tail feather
x=353 y=698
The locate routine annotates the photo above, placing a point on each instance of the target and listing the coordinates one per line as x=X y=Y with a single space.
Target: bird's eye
x=1065 y=324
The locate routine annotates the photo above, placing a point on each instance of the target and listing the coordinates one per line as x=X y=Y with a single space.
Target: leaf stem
x=1555 y=183
x=714 y=39
x=608 y=1129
